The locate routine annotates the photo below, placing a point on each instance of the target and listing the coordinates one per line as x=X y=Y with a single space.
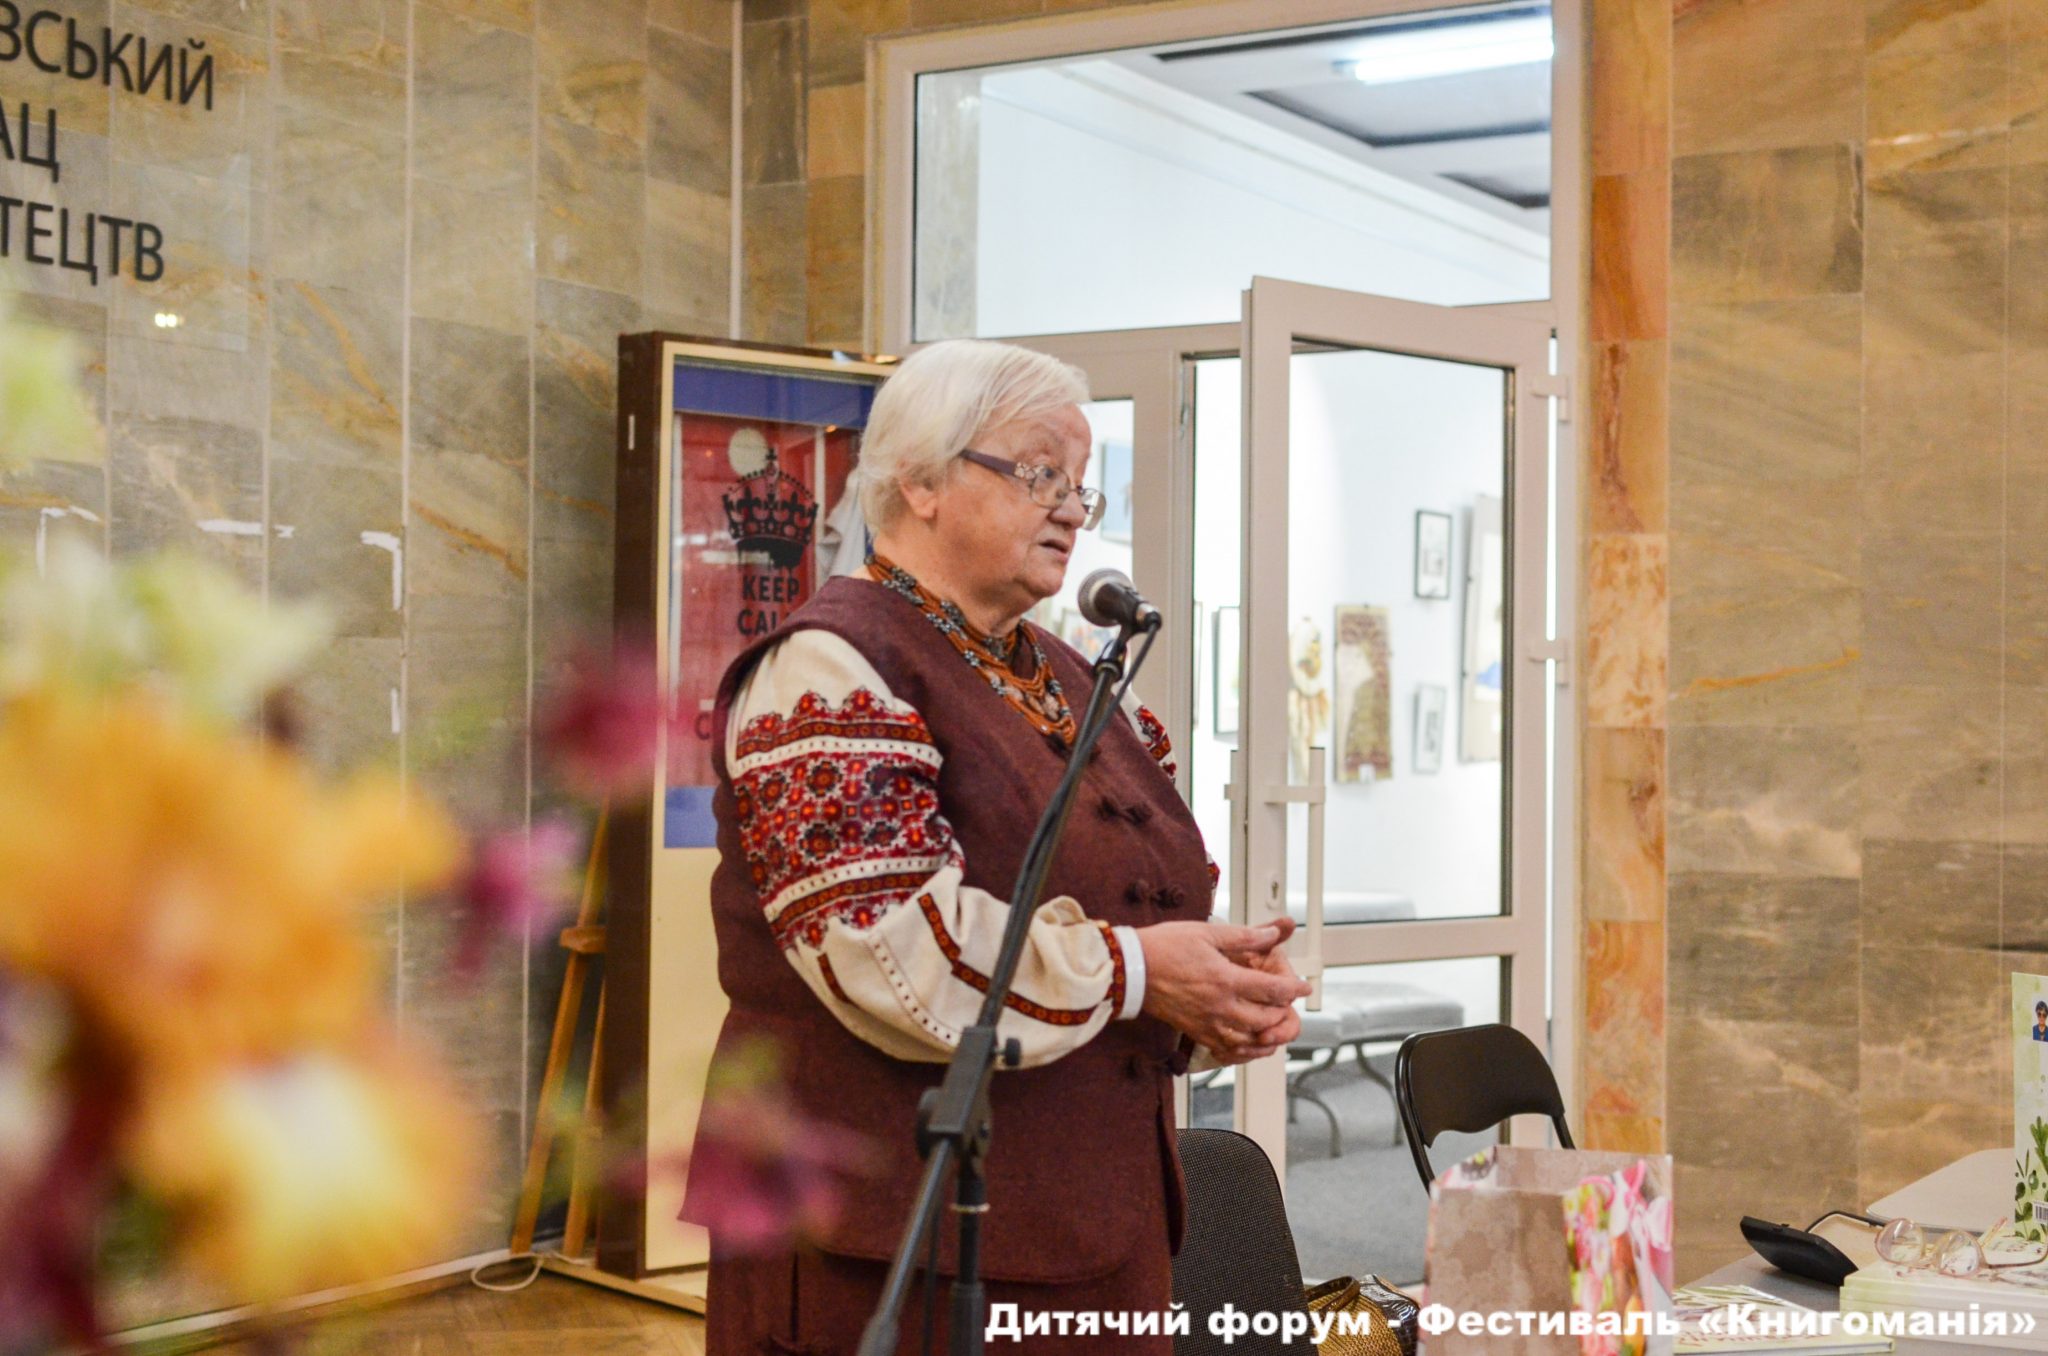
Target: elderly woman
x=885 y=758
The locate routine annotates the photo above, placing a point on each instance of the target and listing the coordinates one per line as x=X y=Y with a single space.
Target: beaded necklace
x=1038 y=698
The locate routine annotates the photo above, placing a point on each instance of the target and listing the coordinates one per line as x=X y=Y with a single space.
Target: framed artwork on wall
x=1363 y=672
x=1431 y=702
x=1432 y=554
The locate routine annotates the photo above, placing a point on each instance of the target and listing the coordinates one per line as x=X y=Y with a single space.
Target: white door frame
x=893 y=67
x=1279 y=318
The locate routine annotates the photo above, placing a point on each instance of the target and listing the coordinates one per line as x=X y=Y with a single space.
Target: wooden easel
x=583 y=941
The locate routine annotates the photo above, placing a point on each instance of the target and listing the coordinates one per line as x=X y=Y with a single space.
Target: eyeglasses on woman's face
x=1048 y=486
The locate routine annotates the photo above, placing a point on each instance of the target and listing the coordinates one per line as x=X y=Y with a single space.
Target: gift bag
x=1520 y=1231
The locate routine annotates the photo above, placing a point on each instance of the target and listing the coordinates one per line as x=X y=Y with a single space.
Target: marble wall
x=402 y=245
x=1841 y=416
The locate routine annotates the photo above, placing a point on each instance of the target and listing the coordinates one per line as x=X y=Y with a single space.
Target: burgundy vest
x=1083 y=1167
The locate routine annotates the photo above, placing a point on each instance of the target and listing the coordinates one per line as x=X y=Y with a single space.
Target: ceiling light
x=1451 y=49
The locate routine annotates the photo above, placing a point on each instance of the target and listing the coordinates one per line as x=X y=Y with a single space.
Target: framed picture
x=1223 y=671
x=1485 y=677
x=1431 y=702
x=1364 y=677
x=1432 y=554
x=1115 y=457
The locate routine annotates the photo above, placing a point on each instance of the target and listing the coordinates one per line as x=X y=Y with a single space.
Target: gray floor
x=1365 y=1212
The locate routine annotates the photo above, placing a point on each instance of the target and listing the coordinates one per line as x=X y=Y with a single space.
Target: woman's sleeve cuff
x=1134 y=971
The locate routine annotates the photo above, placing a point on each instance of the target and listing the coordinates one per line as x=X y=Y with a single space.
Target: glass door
x=1391 y=771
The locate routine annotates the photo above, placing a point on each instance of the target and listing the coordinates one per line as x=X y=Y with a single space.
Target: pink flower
x=602 y=731
x=763 y=1175
x=518 y=880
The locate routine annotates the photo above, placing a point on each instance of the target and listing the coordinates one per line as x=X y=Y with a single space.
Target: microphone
x=1108 y=598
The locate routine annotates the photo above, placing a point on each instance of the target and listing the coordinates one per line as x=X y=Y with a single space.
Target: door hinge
x=1556 y=388
x=1559 y=651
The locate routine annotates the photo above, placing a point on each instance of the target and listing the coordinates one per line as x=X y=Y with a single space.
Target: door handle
x=1314 y=794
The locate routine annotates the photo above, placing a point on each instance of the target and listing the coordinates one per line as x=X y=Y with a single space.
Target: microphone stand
x=953 y=1121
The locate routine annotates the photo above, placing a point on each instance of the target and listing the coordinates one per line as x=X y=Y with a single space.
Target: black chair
x=1468 y=1079
x=1238 y=1249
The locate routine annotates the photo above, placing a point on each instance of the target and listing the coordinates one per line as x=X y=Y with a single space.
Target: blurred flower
x=319 y=1169
x=42 y=414
x=518 y=880
x=198 y=894
x=187 y=628
x=44 y=1264
x=603 y=730
x=762 y=1174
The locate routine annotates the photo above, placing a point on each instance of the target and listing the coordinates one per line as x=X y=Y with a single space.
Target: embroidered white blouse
x=883 y=931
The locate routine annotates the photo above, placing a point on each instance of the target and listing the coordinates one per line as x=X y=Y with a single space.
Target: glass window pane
x=1108 y=546
x=1218 y=446
x=1408 y=156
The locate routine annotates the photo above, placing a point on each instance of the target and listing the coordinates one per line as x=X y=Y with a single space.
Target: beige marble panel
x=1930 y=766
x=341 y=204
x=331 y=529
x=2026 y=264
x=761 y=11
x=1631 y=230
x=837 y=124
x=933 y=13
x=1765 y=1094
x=2026 y=764
x=337 y=378
x=1764 y=949
x=346 y=700
x=1764 y=801
x=772 y=102
x=1934 y=1029
x=1906 y=28
x=1931 y=607
x=516 y=15
x=1934 y=447
x=84 y=324
x=88 y=180
x=229 y=141
x=592 y=207
x=689 y=257
x=472 y=103
x=44 y=503
x=1628 y=442
x=1766 y=606
x=82 y=106
x=469 y=392
x=467 y=538
x=1712 y=1201
x=1622 y=1040
x=705 y=20
x=241 y=16
x=1808 y=93
x=773 y=304
x=837 y=33
x=2023 y=908
x=188 y=485
x=2026 y=518
x=1937 y=108
x=1904 y=1139
x=1943 y=894
x=834 y=279
x=1763 y=225
x=472 y=256
x=1623 y=804
x=1624 y=670
x=575 y=366
x=1767 y=391
x=346 y=90
x=465 y=700
x=690 y=113
x=593 y=65
x=1935 y=268
x=368 y=32
x=2027 y=81
x=1629 y=119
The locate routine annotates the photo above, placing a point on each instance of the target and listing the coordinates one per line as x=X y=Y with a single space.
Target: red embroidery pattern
x=978 y=981
x=832 y=980
x=1156 y=743
x=866 y=815
x=1116 y=963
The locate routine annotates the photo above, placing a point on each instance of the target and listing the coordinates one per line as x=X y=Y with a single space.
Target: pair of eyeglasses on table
x=1813 y=1252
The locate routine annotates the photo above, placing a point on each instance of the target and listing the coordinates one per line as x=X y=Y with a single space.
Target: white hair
x=940 y=401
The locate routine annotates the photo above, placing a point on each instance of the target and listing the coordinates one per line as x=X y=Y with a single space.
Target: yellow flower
x=200 y=896
x=318 y=1170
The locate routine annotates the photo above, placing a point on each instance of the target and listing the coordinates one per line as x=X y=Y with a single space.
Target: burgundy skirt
x=812 y=1303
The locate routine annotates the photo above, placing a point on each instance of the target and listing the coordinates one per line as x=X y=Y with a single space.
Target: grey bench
x=1357 y=1013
